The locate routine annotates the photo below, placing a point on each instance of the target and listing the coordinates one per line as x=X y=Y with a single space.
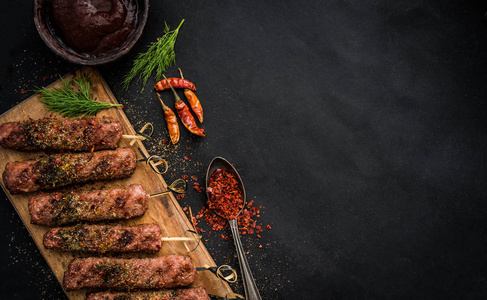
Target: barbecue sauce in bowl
x=93 y=27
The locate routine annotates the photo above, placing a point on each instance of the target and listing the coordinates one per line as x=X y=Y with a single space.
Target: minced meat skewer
x=105 y=238
x=61 y=208
x=61 y=134
x=198 y=293
x=57 y=170
x=171 y=271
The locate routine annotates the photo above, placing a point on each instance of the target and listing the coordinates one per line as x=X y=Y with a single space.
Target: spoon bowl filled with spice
x=226 y=197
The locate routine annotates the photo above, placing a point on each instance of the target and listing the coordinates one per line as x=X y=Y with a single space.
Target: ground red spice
x=246 y=222
x=224 y=194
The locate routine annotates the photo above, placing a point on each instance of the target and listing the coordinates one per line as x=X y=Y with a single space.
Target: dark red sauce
x=93 y=27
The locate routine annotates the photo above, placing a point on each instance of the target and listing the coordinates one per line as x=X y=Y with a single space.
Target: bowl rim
x=61 y=50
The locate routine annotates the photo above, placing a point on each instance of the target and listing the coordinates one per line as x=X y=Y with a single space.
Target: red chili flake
x=260 y=246
x=268 y=226
x=194 y=178
x=57 y=160
x=184 y=177
x=79 y=168
x=44 y=78
x=164 y=142
x=245 y=222
x=225 y=196
x=187 y=157
x=22 y=91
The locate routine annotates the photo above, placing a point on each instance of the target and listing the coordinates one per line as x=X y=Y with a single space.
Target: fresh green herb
x=72 y=102
x=158 y=57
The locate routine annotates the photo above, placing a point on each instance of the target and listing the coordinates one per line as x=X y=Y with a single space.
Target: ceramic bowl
x=54 y=42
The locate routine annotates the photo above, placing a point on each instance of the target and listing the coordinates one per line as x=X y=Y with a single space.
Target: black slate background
x=359 y=126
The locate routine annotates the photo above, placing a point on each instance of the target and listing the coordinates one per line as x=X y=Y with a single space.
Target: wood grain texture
x=164 y=210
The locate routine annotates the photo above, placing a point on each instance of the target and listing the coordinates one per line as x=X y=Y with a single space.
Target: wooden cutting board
x=164 y=210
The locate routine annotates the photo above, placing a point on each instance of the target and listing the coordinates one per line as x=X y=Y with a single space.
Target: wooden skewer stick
x=140 y=135
x=173 y=187
x=182 y=238
x=134 y=137
x=185 y=239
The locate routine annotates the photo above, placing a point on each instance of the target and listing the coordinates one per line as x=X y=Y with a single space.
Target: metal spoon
x=251 y=291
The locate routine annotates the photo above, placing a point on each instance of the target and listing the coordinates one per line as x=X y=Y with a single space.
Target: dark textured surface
x=359 y=126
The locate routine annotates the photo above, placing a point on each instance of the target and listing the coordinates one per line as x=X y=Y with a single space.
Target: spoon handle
x=251 y=291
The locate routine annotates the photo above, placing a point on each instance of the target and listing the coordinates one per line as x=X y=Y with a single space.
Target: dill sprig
x=72 y=102
x=158 y=57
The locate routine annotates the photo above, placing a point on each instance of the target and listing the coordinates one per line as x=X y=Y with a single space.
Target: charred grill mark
x=103 y=166
x=120 y=201
x=126 y=238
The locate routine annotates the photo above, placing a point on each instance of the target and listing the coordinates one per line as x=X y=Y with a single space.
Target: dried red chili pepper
x=178 y=83
x=171 y=121
x=193 y=101
x=185 y=115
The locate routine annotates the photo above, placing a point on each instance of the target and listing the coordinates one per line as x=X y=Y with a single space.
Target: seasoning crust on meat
x=198 y=293
x=171 y=271
x=104 y=238
x=61 y=208
x=58 y=170
x=61 y=134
